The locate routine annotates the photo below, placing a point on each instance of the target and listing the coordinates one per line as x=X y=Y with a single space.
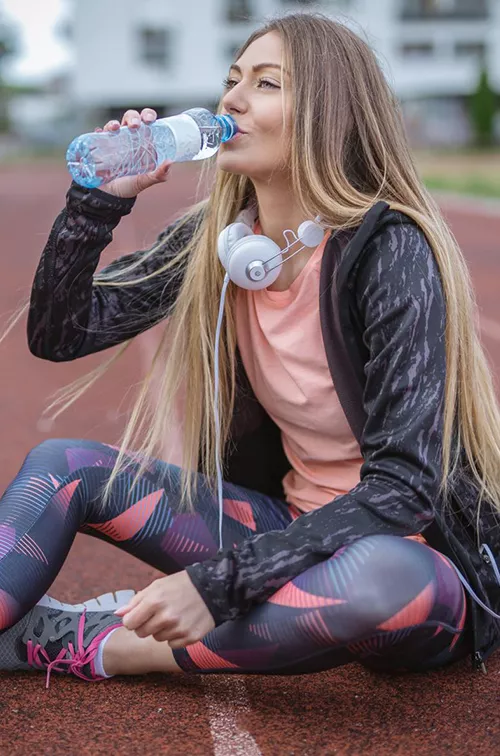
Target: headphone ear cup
x=247 y=251
x=310 y=233
x=228 y=238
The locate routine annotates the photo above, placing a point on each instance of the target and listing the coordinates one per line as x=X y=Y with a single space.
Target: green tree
x=483 y=105
x=8 y=47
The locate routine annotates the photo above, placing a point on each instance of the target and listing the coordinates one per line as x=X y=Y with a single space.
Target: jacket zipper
x=479 y=663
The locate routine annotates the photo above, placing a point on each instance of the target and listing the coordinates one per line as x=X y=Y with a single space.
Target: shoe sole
x=106 y=602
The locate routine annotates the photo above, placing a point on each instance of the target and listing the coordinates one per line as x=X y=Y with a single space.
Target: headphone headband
x=253 y=261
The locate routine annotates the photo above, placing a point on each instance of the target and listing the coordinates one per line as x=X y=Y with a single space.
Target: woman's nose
x=234 y=101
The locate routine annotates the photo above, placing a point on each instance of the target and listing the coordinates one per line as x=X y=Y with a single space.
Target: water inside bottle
x=210 y=141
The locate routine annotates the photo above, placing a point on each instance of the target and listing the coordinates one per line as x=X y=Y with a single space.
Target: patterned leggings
x=388 y=602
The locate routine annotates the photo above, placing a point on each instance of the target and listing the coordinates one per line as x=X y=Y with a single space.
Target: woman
x=355 y=402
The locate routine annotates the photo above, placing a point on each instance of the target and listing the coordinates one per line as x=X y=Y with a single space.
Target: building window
x=471 y=50
x=417 y=50
x=444 y=9
x=155 y=47
x=238 y=11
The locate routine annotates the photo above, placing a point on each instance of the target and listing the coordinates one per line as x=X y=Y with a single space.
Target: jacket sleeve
x=401 y=305
x=69 y=316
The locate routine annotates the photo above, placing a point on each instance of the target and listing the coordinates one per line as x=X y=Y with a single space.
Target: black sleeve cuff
x=97 y=203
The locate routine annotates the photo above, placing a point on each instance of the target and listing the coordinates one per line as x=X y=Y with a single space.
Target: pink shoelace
x=77 y=659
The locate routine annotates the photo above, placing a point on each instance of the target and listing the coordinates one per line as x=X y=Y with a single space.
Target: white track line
x=226 y=697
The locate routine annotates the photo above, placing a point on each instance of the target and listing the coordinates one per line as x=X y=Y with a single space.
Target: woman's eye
x=228 y=83
x=269 y=83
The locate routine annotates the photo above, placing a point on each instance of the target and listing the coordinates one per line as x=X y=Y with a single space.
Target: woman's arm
x=69 y=316
x=401 y=304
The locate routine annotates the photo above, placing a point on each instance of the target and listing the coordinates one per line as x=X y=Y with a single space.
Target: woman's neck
x=277 y=212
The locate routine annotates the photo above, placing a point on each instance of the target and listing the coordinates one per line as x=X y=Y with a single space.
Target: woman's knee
x=62 y=456
x=50 y=448
x=381 y=575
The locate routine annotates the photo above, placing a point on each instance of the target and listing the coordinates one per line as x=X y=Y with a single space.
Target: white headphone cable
x=216 y=403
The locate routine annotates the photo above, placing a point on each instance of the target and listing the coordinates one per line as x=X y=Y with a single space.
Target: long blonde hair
x=348 y=149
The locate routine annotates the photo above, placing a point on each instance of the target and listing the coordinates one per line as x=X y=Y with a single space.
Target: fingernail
x=135 y=122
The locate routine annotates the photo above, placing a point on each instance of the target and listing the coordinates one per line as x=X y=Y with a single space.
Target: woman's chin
x=229 y=164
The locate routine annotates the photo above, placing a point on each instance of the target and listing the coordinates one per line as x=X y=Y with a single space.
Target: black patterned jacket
x=382 y=315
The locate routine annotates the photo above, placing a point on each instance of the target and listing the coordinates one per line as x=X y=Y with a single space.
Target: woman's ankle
x=127 y=654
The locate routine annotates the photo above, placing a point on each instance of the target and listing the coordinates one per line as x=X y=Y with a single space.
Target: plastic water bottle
x=99 y=157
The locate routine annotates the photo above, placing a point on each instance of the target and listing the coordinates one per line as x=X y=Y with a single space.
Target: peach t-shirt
x=280 y=341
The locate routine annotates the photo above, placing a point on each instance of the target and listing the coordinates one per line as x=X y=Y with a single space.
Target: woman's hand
x=170 y=609
x=131 y=186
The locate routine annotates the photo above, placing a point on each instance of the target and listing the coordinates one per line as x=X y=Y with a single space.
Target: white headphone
x=254 y=261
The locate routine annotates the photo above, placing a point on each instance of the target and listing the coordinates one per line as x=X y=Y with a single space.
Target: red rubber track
x=348 y=711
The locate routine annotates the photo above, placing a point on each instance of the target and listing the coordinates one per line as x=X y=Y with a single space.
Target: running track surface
x=347 y=711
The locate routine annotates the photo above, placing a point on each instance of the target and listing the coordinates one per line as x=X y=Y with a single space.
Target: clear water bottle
x=99 y=157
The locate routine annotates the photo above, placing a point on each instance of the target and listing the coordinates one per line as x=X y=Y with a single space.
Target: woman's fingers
x=162 y=171
x=149 y=115
x=132 y=119
x=111 y=126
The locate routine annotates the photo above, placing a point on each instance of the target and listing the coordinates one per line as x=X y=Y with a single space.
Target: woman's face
x=254 y=99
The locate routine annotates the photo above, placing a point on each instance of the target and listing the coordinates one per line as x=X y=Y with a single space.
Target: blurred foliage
x=483 y=106
x=472 y=172
x=8 y=46
x=472 y=186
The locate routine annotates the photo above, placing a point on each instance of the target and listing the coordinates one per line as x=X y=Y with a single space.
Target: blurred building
x=174 y=55
x=44 y=115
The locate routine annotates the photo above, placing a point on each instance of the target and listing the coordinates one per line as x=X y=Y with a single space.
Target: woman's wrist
x=97 y=203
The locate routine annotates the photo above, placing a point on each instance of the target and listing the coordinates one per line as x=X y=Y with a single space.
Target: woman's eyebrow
x=258 y=67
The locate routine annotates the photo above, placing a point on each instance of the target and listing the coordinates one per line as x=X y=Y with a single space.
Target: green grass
x=29 y=155
x=472 y=185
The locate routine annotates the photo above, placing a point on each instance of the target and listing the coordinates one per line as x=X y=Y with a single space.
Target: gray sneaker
x=62 y=637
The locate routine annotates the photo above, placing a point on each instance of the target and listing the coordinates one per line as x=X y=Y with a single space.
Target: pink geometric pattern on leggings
x=290 y=595
x=29 y=547
x=137 y=457
x=261 y=629
x=206 y=659
x=187 y=535
x=55 y=482
x=9 y=609
x=128 y=523
x=379 y=643
x=62 y=499
x=36 y=484
x=240 y=511
x=460 y=624
x=7 y=539
x=414 y=613
x=78 y=458
x=314 y=625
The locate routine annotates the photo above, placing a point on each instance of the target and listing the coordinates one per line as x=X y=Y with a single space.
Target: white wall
x=109 y=72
